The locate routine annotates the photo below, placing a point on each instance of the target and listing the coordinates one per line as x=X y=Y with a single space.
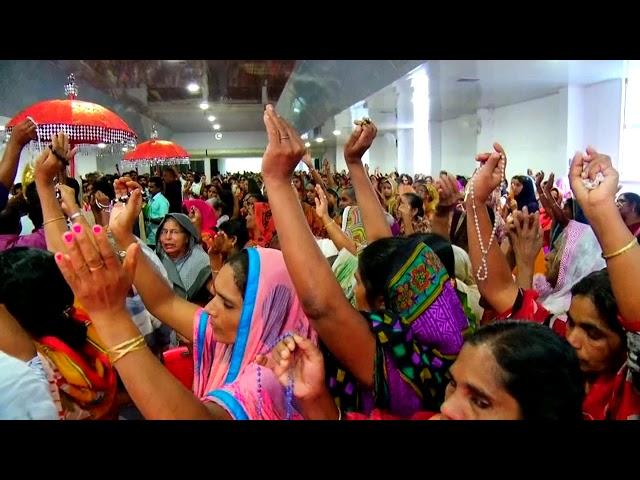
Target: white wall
x=236 y=165
x=603 y=117
x=458 y=145
x=541 y=134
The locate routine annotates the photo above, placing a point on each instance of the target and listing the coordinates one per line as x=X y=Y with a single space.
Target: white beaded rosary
x=483 y=270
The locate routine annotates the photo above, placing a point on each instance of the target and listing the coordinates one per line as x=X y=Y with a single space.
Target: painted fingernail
x=58 y=257
x=68 y=237
x=97 y=229
x=77 y=228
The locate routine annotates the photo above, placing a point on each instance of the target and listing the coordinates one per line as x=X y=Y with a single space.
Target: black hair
x=253 y=187
x=28 y=273
x=105 y=186
x=15 y=188
x=541 y=371
x=633 y=198
x=157 y=181
x=415 y=202
x=407 y=176
x=236 y=227
x=73 y=183
x=227 y=198
x=240 y=265
x=258 y=197
x=34 y=209
x=441 y=247
x=10 y=220
x=196 y=177
x=597 y=287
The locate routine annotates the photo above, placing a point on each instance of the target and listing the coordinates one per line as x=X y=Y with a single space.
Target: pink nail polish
x=77 y=228
x=97 y=229
x=58 y=257
x=68 y=237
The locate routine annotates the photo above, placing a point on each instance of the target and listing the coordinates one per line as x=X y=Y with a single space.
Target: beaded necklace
x=288 y=389
x=483 y=270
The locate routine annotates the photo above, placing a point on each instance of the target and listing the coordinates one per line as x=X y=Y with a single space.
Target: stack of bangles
x=624 y=249
x=120 y=350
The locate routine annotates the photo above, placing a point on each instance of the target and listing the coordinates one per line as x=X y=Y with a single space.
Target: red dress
x=611 y=397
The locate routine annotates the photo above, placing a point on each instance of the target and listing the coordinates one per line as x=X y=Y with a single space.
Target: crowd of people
x=314 y=294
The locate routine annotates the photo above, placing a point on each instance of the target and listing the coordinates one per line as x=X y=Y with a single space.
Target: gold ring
x=94 y=269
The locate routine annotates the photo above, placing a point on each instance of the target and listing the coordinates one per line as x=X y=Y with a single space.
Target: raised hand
x=525 y=235
x=284 y=150
x=23 y=133
x=448 y=191
x=359 y=142
x=196 y=217
x=539 y=179
x=490 y=175
x=98 y=280
x=322 y=205
x=68 y=199
x=587 y=167
x=300 y=358
x=125 y=215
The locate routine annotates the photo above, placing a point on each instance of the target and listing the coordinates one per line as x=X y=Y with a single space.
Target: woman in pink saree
x=227 y=374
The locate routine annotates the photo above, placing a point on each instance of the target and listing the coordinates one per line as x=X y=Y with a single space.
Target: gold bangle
x=53 y=220
x=622 y=250
x=131 y=345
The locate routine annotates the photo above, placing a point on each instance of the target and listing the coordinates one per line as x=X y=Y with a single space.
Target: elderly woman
x=178 y=247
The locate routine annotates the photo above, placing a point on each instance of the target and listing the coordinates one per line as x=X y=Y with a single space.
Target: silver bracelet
x=75 y=215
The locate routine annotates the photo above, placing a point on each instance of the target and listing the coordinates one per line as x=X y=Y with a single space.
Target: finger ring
x=286 y=137
x=94 y=269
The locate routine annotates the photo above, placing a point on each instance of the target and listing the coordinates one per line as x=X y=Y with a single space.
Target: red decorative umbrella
x=86 y=123
x=155 y=152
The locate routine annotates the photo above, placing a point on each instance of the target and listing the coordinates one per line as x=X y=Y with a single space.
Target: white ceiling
x=500 y=83
x=185 y=116
x=504 y=82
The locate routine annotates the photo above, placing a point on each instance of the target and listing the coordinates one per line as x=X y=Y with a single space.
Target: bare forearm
x=157 y=295
x=499 y=288
x=623 y=269
x=338 y=237
x=9 y=164
x=300 y=250
x=51 y=210
x=524 y=276
x=319 y=408
x=157 y=393
x=375 y=223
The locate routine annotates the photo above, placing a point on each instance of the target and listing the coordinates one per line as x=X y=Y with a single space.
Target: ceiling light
x=304 y=136
x=204 y=105
x=216 y=126
x=218 y=136
x=193 y=87
x=296 y=109
x=336 y=132
x=102 y=145
x=2 y=128
x=211 y=118
x=307 y=144
x=319 y=139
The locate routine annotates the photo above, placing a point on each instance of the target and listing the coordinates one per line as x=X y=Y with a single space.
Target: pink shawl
x=227 y=374
x=209 y=217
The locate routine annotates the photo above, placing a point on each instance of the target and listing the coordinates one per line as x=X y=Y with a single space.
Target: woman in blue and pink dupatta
x=225 y=373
